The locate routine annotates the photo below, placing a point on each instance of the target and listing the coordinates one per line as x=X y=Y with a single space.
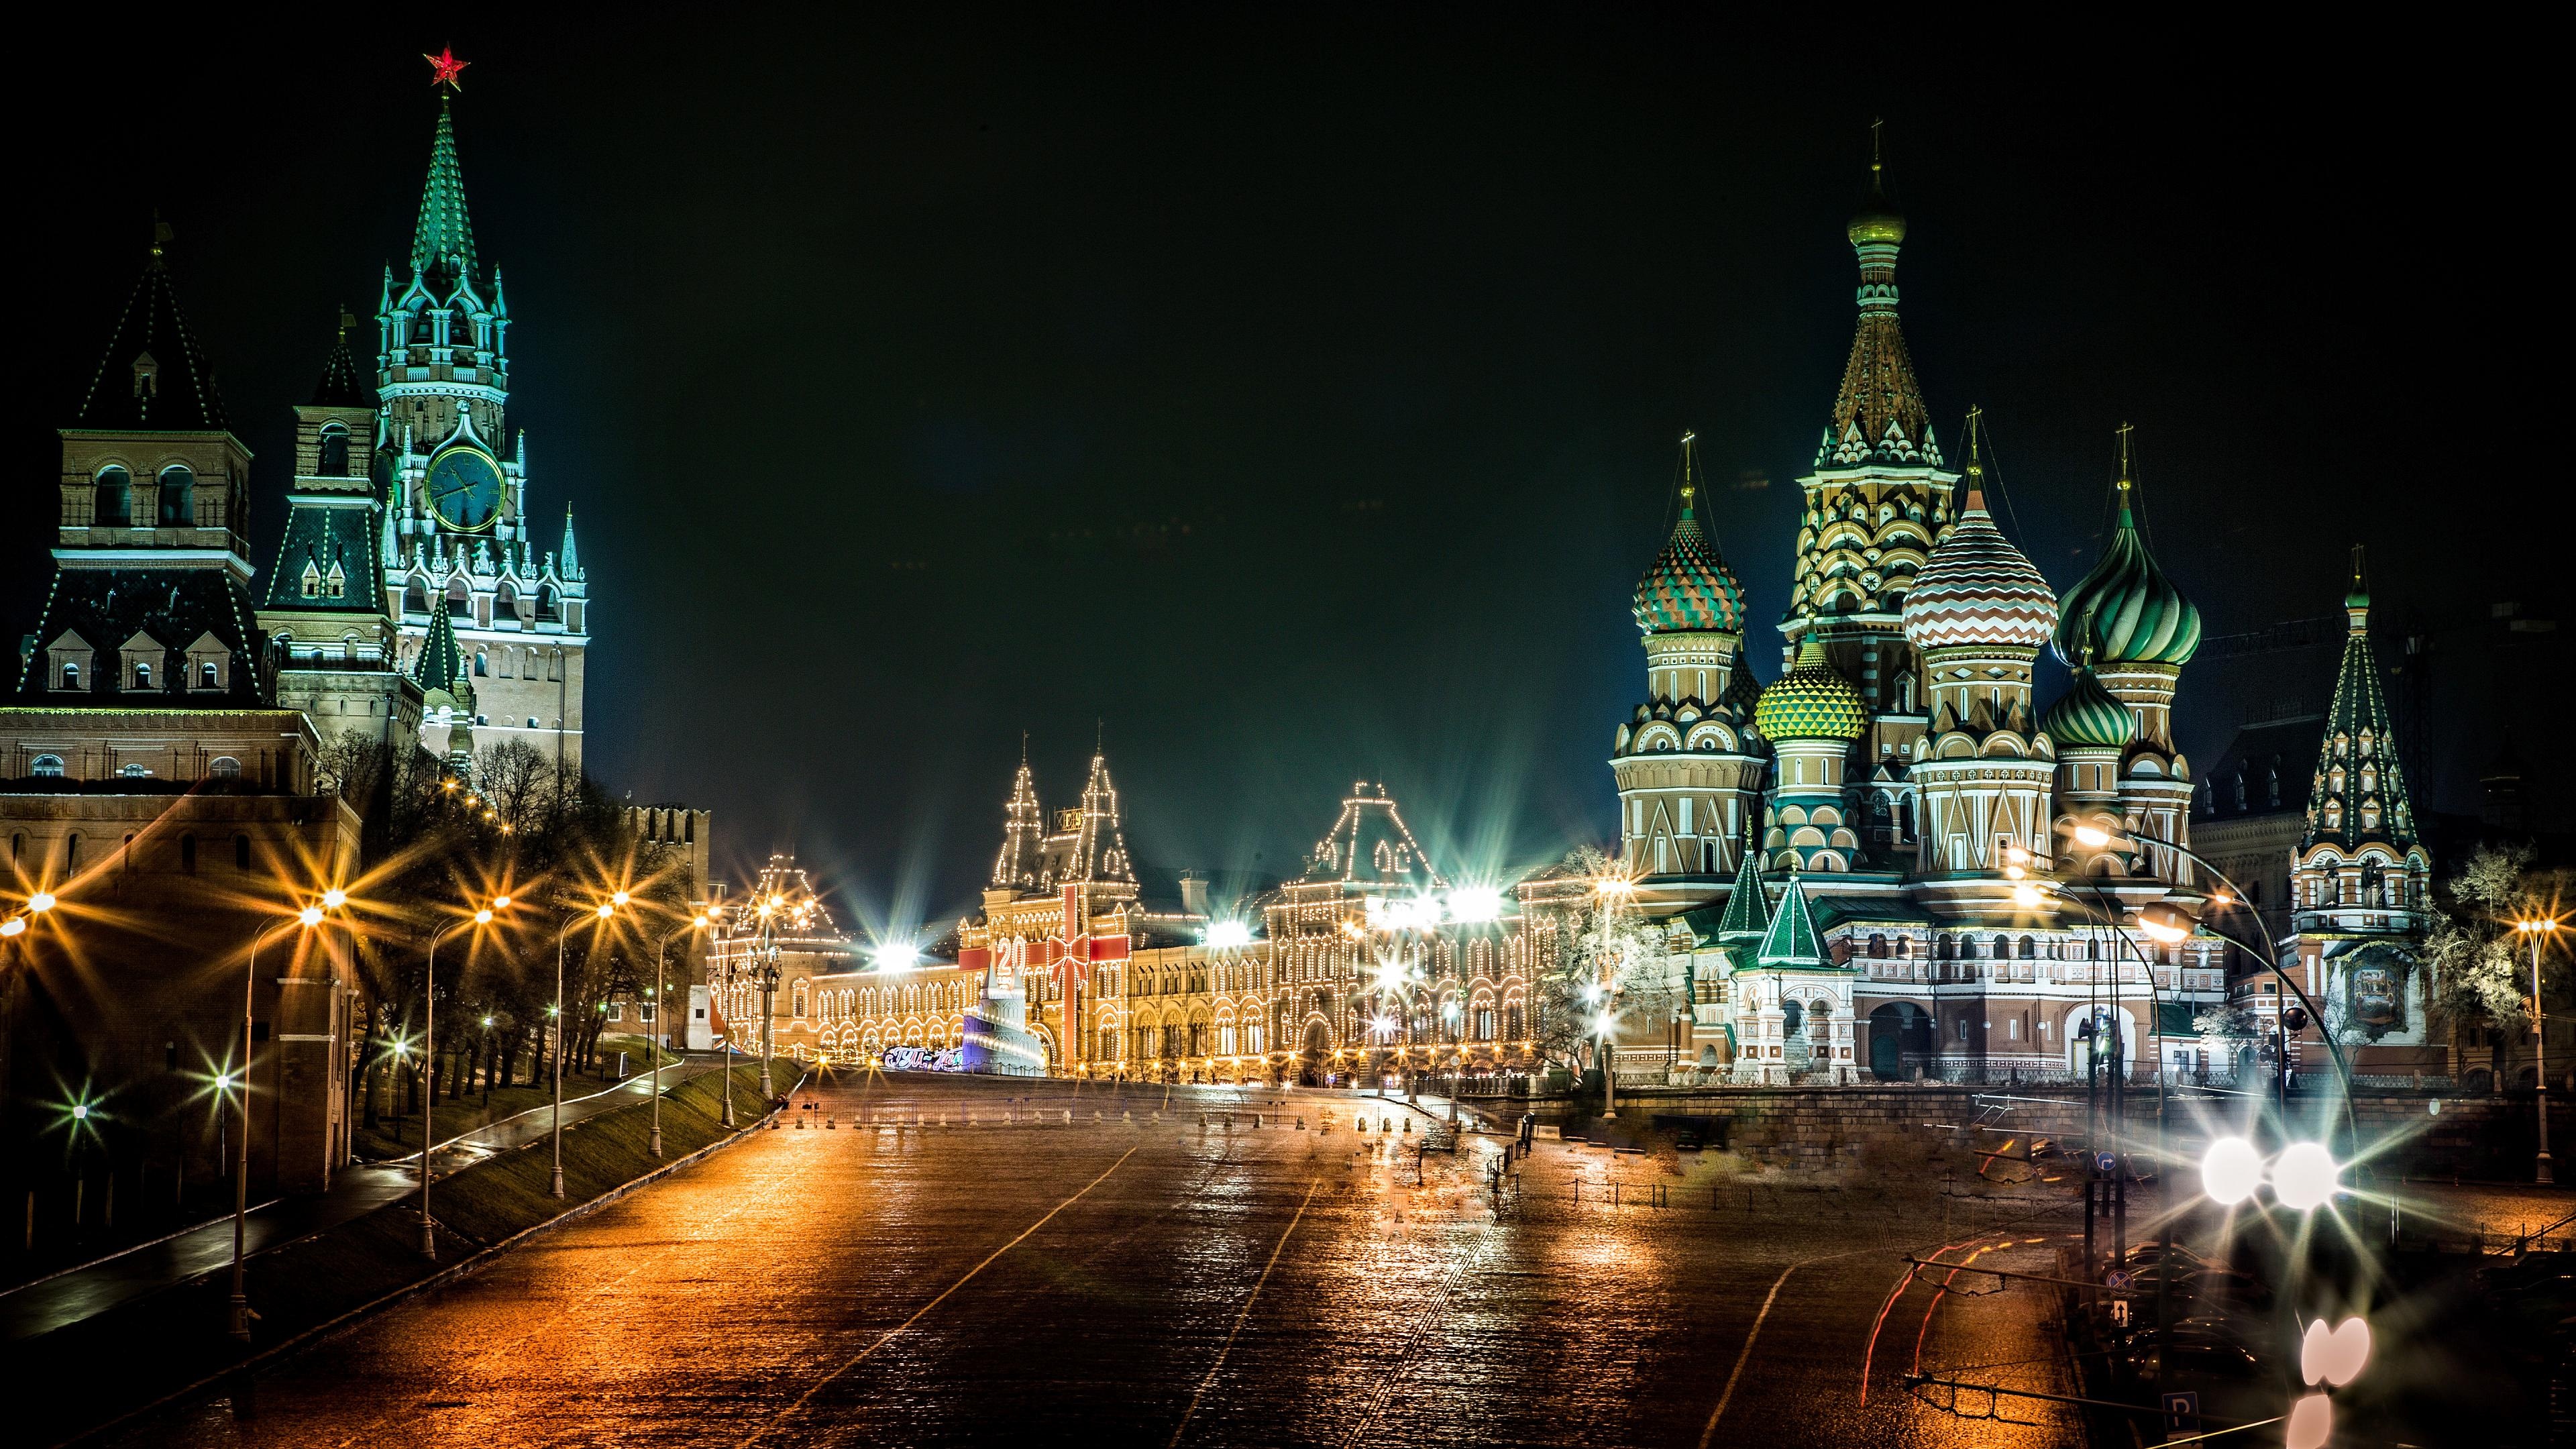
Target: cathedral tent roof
x=154 y=375
x=1878 y=416
x=344 y=384
x=441 y=665
x=1748 y=912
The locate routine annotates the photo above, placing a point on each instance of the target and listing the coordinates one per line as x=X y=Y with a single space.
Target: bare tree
x=517 y=782
x=354 y=764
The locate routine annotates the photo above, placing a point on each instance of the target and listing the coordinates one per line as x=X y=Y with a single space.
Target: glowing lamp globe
x=500 y=903
x=14 y=926
x=310 y=915
x=618 y=899
x=2304 y=1177
x=1229 y=935
x=2092 y=835
x=483 y=918
x=899 y=956
x=606 y=910
x=41 y=902
x=2231 y=1170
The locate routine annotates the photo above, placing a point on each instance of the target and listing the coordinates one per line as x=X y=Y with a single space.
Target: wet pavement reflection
x=953 y=1260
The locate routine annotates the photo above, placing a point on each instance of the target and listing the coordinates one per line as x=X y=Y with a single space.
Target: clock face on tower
x=465 y=488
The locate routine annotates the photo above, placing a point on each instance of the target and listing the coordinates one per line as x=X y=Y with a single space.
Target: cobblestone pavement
x=953 y=1261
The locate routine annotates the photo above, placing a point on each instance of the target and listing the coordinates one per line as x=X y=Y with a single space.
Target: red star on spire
x=446 y=69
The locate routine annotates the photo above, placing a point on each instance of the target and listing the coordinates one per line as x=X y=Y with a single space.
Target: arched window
x=2029 y=949
x=112 y=502
x=241 y=852
x=460 y=600
x=188 y=854
x=546 y=601
x=335 y=452
x=142 y=675
x=71 y=852
x=207 y=675
x=178 y=497
x=415 y=598
x=1942 y=948
x=47 y=767
x=224 y=767
x=71 y=676
x=482 y=664
x=2003 y=948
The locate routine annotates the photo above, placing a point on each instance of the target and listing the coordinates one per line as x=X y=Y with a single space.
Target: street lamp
x=1612 y=890
x=429 y=1060
x=2536 y=929
x=661 y=955
x=306 y=919
x=2098 y=838
x=603 y=912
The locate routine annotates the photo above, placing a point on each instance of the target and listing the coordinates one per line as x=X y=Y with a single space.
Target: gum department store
x=1870 y=868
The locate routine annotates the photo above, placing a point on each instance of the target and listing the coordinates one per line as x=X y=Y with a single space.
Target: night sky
x=1294 y=398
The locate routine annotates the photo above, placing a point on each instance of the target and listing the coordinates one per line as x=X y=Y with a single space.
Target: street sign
x=2118 y=1279
x=2119 y=1312
x=2106 y=1163
x=2182 y=1414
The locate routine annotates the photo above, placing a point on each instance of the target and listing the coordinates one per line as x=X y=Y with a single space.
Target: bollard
x=1408 y=1126
x=831 y=1123
x=1202 y=1121
x=1127 y=1116
x=31 y=1212
x=1068 y=1116
x=800 y=1124
x=1256 y=1119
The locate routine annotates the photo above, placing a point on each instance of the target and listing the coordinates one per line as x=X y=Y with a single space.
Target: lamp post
x=2098 y=838
x=429 y=1061
x=661 y=956
x=1612 y=889
x=603 y=911
x=306 y=919
x=2536 y=929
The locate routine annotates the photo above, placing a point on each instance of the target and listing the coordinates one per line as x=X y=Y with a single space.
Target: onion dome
x=1743 y=692
x=1811 y=702
x=1879 y=220
x=2126 y=611
x=2087 y=717
x=1689 y=588
x=1976 y=588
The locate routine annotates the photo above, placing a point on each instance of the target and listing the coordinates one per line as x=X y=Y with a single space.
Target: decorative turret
x=1686 y=764
x=1875 y=501
x=2360 y=835
x=1747 y=917
x=2128 y=623
x=1977 y=614
x=2086 y=717
x=1813 y=701
x=1023 y=833
x=1811 y=716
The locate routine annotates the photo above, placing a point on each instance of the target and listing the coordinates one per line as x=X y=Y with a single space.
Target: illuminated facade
x=458 y=538
x=1871 y=866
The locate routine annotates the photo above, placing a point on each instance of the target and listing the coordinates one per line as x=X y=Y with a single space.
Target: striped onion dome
x=1811 y=702
x=1689 y=587
x=2087 y=717
x=2126 y=611
x=1976 y=588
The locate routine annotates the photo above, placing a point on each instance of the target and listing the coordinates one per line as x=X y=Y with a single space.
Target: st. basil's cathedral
x=1877 y=866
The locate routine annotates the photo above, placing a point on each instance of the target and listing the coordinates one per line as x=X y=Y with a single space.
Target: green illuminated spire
x=444 y=238
x=441 y=668
x=1792 y=939
x=1748 y=913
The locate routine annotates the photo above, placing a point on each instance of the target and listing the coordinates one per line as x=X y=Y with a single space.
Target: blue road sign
x=2106 y=1163
x=2182 y=1413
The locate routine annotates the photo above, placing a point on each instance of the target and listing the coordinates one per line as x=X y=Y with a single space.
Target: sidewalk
x=34 y=1309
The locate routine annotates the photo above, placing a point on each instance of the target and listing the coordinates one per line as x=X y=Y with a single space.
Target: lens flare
x=2304 y=1177
x=2231 y=1170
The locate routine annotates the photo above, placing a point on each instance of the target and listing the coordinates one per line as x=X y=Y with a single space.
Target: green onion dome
x=2087 y=717
x=1977 y=589
x=1689 y=587
x=1879 y=220
x=1811 y=702
x=2126 y=611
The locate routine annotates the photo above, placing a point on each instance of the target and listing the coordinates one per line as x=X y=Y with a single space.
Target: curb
x=465 y=1267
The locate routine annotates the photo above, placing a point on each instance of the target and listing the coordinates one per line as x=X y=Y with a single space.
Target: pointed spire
x=444 y=239
x=1100 y=851
x=154 y=375
x=1748 y=912
x=2356 y=602
x=1792 y=939
x=441 y=667
x=1879 y=416
x=2359 y=792
x=343 y=385
x=1023 y=830
x=571 y=557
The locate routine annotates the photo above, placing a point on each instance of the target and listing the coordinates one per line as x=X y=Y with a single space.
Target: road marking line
x=1728 y=1394
x=897 y=1331
x=1247 y=1310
